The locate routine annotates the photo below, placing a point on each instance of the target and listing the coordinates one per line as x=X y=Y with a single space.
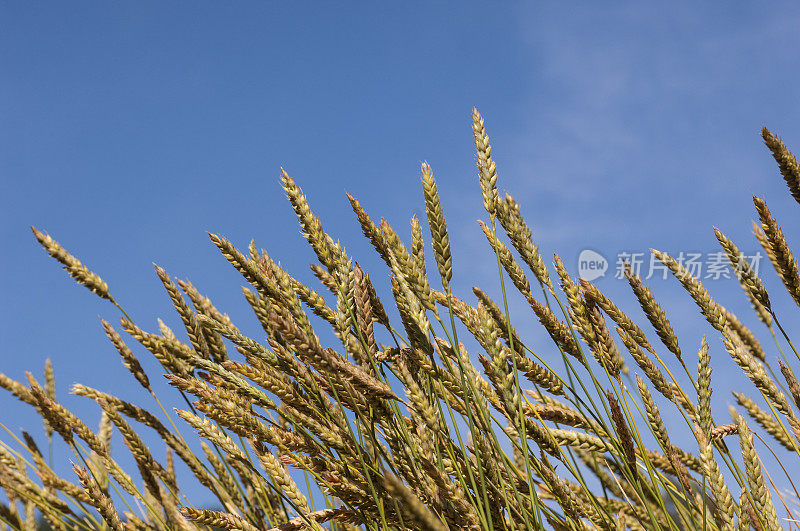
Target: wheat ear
x=73 y=266
x=759 y=492
x=787 y=163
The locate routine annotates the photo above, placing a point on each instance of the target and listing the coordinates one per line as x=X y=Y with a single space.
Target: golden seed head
x=73 y=266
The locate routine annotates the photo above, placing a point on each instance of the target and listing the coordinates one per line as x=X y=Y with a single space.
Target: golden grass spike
x=18 y=390
x=710 y=309
x=280 y=476
x=203 y=305
x=418 y=247
x=747 y=515
x=726 y=509
x=243 y=265
x=791 y=382
x=704 y=388
x=560 y=414
x=759 y=493
x=438 y=227
x=487 y=174
x=371 y=231
x=418 y=400
x=323 y=515
x=786 y=162
x=99 y=499
x=653 y=415
x=171 y=353
x=766 y=420
x=654 y=313
x=755 y=370
x=604 y=348
x=128 y=359
x=227 y=486
x=618 y=316
x=188 y=317
x=137 y=447
x=540 y=376
x=378 y=309
x=574 y=507
x=504 y=327
x=104 y=432
x=577 y=307
x=723 y=431
x=781 y=254
x=73 y=266
x=521 y=238
x=313 y=300
x=509 y=264
x=323 y=245
x=404 y=266
x=559 y=331
x=748 y=278
x=763 y=241
x=62 y=420
x=217 y=519
x=745 y=334
x=49 y=390
x=52 y=481
x=411 y=505
x=364 y=312
x=647 y=365
x=625 y=438
x=49 y=380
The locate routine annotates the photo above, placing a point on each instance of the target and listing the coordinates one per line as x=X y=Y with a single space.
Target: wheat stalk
x=324 y=420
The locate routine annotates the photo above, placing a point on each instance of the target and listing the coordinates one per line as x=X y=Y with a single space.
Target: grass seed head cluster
x=397 y=425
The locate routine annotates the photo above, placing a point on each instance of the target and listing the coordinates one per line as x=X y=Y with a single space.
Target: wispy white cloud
x=640 y=125
x=640 y=101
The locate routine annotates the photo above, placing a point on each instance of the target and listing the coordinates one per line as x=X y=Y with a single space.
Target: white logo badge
x=591 y=265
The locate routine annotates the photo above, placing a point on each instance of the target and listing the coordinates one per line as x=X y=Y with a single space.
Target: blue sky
x=128 y=130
